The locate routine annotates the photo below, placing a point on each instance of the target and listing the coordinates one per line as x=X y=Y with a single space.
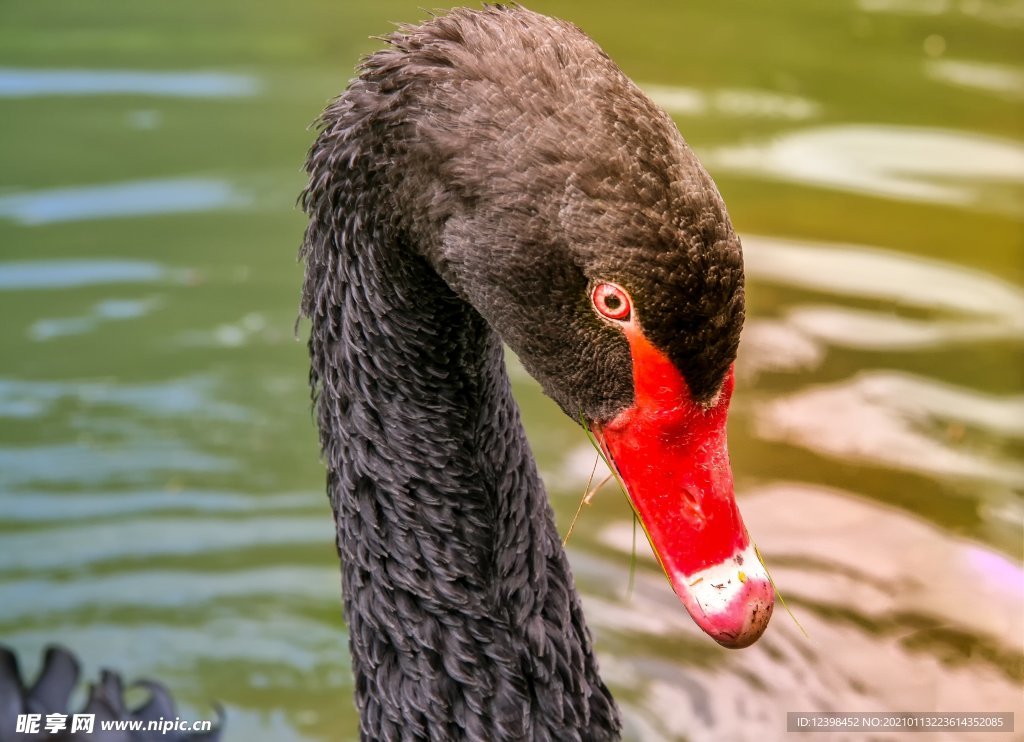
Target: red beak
x=670 y=454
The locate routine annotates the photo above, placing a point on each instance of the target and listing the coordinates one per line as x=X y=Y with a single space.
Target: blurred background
x=162 y=506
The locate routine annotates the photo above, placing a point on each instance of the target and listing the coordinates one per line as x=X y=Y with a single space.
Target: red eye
x=611 y=301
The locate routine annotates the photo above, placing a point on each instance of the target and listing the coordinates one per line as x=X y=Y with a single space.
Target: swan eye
x=611 y=301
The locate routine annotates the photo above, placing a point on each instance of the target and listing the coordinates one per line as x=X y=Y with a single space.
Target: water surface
x=163 y=506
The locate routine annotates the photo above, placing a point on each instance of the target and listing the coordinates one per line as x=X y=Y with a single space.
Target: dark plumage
x=466 y=189
x=51 y=694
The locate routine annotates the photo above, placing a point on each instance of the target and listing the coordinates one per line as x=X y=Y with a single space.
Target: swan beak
x=670 y=455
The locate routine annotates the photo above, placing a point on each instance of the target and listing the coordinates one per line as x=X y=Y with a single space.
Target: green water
x=162 y=503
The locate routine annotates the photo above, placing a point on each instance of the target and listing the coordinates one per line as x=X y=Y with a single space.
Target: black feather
x=51 y=694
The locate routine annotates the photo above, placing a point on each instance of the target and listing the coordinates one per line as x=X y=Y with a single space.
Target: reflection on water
x=914 y=164
x=234 y=334
x=681 y=101
x=55 y=274
x=106 y=311
x=163 y=507
x=995 y=78
x=113 y=200
x=855 y=328
x=770 y=345
x=163 y=590
x=25 y=83
x=93 y=465
x=953 y=306
x=193 y=396
x=922 y=7
x=1008 y=13
x=41 y=506
x=127 y=539
x=856 y=271
x=884 y=418
x=945 y=614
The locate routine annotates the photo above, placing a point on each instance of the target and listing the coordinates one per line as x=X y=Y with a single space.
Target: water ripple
x=162 y=589
x=873 y=273
x=120 y=200
x=905 y=604
x=906 y=163
x=962 y=305
x=129 y=540
x=992 y=78
x=881 y=331
x=883 y=417
x=39 y=507
x=30 y=83
x=110 y=310
x=61 y=274
x=81 y=464
x=738 y=102
x=186 y=397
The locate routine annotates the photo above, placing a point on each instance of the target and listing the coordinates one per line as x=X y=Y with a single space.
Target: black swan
x=493 y=177
x=47 y=699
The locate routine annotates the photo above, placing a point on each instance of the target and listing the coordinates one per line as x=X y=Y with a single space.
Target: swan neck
x=455 y=584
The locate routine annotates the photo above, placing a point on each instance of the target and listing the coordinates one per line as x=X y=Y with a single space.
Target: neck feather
x=463 y=619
